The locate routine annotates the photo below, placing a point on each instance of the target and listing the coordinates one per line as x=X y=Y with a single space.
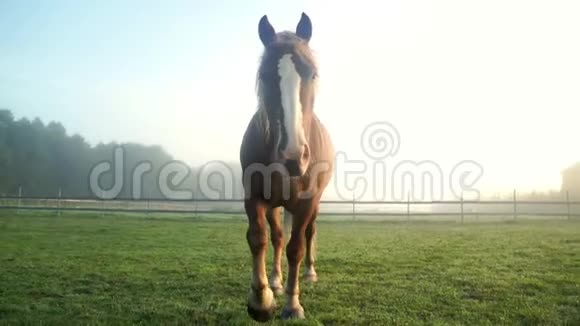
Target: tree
x=42 y=158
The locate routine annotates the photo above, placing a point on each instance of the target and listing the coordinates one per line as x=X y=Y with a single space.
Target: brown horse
x=287 y=161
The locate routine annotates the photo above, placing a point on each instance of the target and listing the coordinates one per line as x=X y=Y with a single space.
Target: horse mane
x=262 y=116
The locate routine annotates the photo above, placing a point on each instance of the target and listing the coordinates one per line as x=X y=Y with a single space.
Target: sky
x=493 y=82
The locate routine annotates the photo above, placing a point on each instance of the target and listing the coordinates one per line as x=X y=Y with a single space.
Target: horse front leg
x=261 y=302
x=295 y=254
x=277 y=237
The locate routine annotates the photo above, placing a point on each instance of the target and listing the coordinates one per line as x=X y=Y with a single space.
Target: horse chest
x=279 y=190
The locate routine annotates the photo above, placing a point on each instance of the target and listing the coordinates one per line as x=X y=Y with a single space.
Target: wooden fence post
x=58 y=202
x=408 y=206
x=568 y=203
x=19 y=199
x=353 y=207
x=102 y=204
x=148 y=203
x=462 y=208
x=515 y=206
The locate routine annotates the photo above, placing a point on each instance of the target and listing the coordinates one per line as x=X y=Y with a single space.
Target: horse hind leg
x=309 y=271
x=277 y=237
x=261 y=302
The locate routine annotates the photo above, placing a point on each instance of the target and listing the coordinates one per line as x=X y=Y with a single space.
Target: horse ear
x=304 y=28
x=266 y=31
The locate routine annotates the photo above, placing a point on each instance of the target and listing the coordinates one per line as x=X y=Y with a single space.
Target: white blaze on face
x=290 y=92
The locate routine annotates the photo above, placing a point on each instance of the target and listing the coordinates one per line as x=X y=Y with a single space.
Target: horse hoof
x=292 y=313
x=278 y=290
x=312 y=278
x=261 y=315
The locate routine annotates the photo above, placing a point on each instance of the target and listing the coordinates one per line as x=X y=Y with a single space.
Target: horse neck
x=316 y=130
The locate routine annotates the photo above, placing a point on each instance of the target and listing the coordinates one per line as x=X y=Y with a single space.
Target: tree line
x=42 y=159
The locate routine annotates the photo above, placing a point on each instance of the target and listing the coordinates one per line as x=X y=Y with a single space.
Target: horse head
x=286 y=87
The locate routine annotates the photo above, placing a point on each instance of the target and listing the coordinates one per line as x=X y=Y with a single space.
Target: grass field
x=120 y=269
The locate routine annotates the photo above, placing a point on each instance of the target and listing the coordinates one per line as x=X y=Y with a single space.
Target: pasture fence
x=346 y=209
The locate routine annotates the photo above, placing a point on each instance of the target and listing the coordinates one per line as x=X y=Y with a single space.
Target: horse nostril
x=305 y=154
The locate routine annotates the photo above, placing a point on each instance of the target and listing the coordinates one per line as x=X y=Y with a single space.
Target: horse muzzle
x=297 y=162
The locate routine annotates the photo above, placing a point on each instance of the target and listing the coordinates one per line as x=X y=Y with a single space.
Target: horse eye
x=314 y=76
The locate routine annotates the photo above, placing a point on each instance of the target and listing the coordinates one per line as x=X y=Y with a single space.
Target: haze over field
x=495 y=82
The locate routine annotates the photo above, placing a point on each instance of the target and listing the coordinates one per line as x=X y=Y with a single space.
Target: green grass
x=121 y=269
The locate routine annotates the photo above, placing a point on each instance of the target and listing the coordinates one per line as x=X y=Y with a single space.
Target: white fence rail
x=507 y=209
